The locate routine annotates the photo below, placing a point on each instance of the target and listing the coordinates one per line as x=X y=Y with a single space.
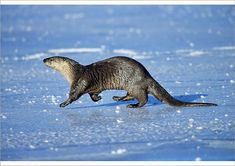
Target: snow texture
x=189 y=50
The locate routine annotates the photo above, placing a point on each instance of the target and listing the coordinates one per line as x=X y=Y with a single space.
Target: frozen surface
x=190 y=50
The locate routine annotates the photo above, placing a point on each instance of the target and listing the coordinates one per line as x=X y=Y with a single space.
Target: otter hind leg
x=95 y=97
x=123 y=98
x=141 y=96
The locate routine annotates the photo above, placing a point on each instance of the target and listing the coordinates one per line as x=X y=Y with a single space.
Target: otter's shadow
x=151 y=101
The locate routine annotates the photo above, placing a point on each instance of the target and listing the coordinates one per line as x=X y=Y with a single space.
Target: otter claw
x=116 y=98
x=96 y=98
x=132 y=106
x=64 y=104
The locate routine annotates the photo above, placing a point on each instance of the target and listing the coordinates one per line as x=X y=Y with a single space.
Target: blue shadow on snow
x=151 y=101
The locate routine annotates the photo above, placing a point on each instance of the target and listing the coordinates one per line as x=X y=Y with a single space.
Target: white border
x=117 y=163
x=118 y=2
x=115 y=2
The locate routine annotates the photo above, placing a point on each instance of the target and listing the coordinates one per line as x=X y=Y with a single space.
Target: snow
x=74 y=50
x=189 y=50
x=119 y=151
x=124 y=51
x=197 y=53
x=32 y=57
x=225 y=48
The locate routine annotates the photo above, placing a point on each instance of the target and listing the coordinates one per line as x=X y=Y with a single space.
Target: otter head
x=65 y=66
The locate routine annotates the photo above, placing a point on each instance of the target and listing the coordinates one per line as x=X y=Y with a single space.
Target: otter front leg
x=72 y=98
x=76 y=91
x=95 y=97
x=67 y=102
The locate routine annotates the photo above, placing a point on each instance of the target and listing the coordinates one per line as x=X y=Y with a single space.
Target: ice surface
x=188 y=49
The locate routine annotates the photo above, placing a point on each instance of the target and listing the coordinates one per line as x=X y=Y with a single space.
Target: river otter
x=121 y=73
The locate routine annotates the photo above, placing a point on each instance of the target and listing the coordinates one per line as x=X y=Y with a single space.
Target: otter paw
x=96 y=98
x=132 y=106
x=63 y=104
x=116 y=98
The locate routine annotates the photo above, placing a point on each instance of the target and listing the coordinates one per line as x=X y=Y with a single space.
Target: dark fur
x=121 y=73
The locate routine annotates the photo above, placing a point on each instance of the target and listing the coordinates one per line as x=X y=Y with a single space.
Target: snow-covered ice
x=189 y=50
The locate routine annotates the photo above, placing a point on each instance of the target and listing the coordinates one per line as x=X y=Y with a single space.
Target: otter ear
x=72 y=62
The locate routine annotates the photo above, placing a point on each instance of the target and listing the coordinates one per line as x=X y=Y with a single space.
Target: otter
x=120 y=73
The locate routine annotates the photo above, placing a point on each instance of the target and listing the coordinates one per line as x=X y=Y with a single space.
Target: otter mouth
x=47 y=62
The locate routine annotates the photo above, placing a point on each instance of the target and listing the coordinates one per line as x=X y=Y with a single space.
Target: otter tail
x=161 y=94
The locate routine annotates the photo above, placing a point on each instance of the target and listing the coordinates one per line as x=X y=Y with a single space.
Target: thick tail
x=161 y=94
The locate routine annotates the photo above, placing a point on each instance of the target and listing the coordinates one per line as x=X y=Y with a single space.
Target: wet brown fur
x=121 y=73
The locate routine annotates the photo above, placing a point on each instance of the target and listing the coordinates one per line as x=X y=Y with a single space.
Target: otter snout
x=48 y=61
x=45 y=60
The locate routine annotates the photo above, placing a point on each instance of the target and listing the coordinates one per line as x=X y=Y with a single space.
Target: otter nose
x=44 y=60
